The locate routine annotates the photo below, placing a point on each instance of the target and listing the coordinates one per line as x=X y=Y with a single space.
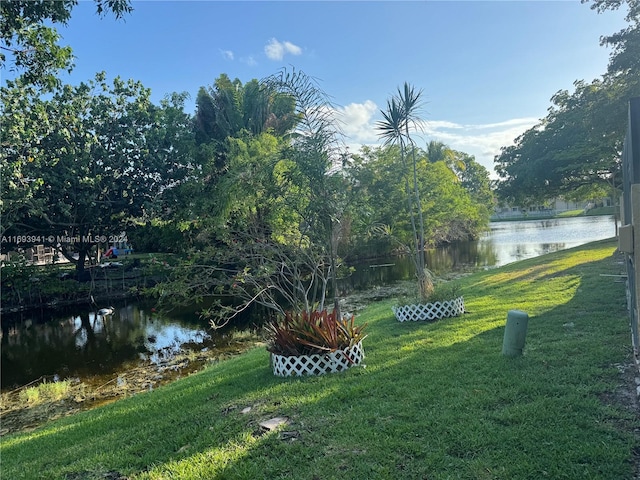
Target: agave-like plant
x=309 y=333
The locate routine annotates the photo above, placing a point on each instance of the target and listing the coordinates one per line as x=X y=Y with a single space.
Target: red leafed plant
x=309 y=333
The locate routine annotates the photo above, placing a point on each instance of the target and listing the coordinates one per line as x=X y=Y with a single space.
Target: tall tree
x=30 y=39
x=625 y=43
x=474 y=177
x=277 y=206
x=316 y=149
x=440 y=152
x=227 y=110
x=577 y=145
x=228 y=107
x=576 y=148
x=92 y=157
x=453 y=208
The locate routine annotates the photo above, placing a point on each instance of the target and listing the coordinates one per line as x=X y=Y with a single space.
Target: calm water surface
x=511 y=241
x=82 y=344
x=504 y=243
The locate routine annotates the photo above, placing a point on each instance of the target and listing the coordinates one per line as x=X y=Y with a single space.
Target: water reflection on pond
x=512 y=241
x=83 y=343
x=504 y=243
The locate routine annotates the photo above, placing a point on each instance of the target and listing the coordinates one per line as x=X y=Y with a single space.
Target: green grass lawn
x=435 y=400
x=571 y=213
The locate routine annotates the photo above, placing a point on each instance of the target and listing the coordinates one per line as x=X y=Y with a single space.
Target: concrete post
x=515 y=333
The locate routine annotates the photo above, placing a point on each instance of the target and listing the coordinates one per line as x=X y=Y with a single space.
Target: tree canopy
x=29 y=38
x=576 y=148
x=453 y=208
x=577 y=145
x=256 y=188
x=86 y=161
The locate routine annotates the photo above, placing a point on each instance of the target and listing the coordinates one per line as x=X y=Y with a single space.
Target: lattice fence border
x=300 y=365
x=429 y=311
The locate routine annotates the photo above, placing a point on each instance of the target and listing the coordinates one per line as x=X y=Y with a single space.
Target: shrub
x=445 y=291
x=309 y=333
x=44 y=392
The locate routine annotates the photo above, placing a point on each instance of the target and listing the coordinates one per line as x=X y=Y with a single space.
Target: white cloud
x=441 y=124
x=276 y=50
x=250 y=61
x=227 y=54
x=357 y=123
x=481 y=140
x=514 y=122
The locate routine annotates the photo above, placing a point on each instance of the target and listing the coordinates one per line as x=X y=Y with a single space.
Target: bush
x=45 y=392
x=312 y=333
x=445 y=291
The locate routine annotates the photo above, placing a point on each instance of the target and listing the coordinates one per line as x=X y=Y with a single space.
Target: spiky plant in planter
x=312 y=343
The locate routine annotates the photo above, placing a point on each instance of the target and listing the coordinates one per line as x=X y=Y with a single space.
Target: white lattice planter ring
x=298 y=365
x=429 y=311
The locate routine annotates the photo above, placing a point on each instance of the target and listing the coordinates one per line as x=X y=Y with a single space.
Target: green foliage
x=29 y=37
x=267 y=231
x=27 y=285
x=399 y=119
x=246 y=268
x=578 y=145
x=445 y=291
x=85 y=160
x=452 y=209
x=309 y=333
x=442 y=291
x=157 y=236
x=231 y=109
x=474 y=178
x=45 y=392
x=625 y=44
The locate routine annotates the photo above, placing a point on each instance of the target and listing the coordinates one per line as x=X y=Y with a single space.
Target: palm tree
x=440 y=152
x=316 y=149
x=399 y=120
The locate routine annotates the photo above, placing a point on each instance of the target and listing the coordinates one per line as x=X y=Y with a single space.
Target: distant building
x=550 y=209
x=36 y=255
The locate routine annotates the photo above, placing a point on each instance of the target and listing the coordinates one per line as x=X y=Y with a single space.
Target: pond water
x=504 y=243
x=511 y=241
x=82 y=344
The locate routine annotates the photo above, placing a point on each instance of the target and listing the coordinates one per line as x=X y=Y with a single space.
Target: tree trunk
x=82 y=255
x=79 y=263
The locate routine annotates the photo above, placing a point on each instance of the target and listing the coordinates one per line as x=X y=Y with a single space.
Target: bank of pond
x=431 y=400
x=78 y=342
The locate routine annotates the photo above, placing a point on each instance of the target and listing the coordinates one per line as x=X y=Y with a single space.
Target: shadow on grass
x=436 y=400
x=465 y=411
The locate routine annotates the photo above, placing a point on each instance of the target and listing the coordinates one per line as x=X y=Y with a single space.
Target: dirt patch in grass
x=626 y=396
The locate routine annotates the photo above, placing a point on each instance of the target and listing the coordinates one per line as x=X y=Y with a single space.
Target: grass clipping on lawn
x=435 y=400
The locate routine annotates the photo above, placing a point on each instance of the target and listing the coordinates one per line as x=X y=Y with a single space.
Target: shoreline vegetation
x=53 y=287
x=435 y=400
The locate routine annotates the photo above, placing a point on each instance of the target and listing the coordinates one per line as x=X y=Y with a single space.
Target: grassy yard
x=435 y=400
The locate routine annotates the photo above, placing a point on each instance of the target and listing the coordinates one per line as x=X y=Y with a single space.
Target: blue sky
x=487 y=69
